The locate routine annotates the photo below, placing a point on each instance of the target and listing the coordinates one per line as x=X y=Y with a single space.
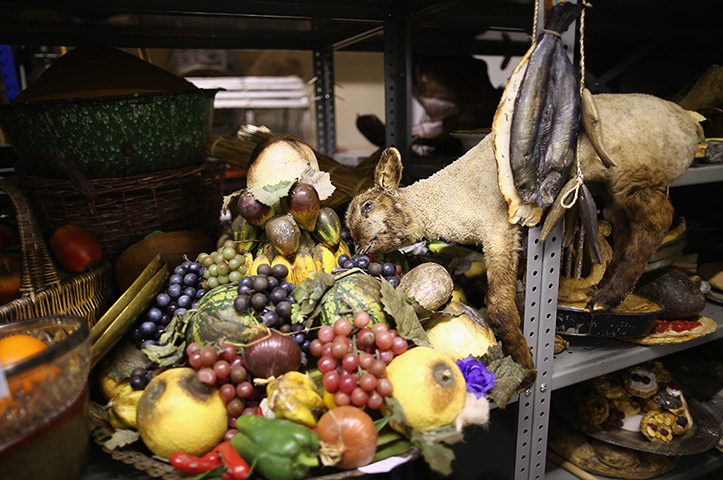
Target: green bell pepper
x=277 y=449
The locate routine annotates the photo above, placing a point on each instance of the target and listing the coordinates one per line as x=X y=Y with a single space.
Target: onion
x=348 y=437
x=271 y=354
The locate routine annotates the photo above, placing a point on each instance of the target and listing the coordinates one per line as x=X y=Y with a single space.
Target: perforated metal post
x=542 y=280
x=398 y=87
x=324 y=101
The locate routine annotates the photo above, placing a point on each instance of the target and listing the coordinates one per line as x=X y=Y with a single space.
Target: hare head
x=377 y=218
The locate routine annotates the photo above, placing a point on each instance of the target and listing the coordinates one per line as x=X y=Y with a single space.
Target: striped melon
x=357 y=291
x=215 y=319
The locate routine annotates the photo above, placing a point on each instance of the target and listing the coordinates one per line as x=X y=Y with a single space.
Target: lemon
x=178 y=413
x=429 y=386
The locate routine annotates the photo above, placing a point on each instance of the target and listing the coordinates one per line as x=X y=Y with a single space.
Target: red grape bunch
x=353 y=357
x=223 y=367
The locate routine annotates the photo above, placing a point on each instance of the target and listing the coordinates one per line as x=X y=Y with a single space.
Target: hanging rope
x=578 y=173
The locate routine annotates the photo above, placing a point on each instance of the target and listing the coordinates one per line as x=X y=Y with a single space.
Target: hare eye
x=366 y=207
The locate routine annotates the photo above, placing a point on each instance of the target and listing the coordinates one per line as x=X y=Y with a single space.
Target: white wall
x=359 y=90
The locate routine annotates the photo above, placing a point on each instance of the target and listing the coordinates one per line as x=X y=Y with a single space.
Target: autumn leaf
x=320 y=180
x=121 y=438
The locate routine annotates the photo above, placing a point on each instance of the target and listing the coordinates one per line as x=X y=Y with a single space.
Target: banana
x=303 y=266
x=306 y=242
x=324 y=259
x=281 y=260
x=124 y=406
x=248 y=262
x=260 y=259
x=341 y=249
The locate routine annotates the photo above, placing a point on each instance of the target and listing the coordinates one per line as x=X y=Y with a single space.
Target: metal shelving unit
x=397 y=27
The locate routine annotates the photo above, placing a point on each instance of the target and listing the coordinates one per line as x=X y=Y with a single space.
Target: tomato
x=75 y=247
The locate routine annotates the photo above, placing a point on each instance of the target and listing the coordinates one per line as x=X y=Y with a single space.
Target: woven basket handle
x=39 y=272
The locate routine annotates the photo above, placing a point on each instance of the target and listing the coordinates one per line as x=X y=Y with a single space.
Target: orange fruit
x=18 y=347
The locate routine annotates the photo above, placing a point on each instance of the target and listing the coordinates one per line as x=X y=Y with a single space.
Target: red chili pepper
x=233 y=461
x=186 y=463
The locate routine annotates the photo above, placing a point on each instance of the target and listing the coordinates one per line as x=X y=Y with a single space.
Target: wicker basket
x=43 y=293
x=122 y=211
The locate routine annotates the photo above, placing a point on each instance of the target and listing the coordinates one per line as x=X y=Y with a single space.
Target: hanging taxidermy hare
x=653 y=141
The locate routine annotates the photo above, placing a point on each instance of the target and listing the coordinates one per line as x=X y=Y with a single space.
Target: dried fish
x=593 y=127
x=571 y=216
x=518 y=211
x=588 y=215
x=553 y=163
x=536 y=104
x=563 y=202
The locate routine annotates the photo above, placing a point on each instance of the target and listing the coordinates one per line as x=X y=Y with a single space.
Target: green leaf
x=379 y=423
x=271 y=194
x=393 y=449
x=174 y=339
x=120 y=438
x=307 y=295
x=435 y=451
x=399 y=307
x=508 y=374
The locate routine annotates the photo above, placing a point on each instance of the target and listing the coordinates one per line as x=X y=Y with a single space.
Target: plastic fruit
x=75 y=247
x=304 y=205
x=429 y=386
x=460 y=336
x=15 y=348
x=279 y=158
x=18 y=347
x=178 y=413
x=10 y=277
x=252 y=210
x=284 y=234
x=328 y=228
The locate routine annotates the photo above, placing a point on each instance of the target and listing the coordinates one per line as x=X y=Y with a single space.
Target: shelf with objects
x=324 y=27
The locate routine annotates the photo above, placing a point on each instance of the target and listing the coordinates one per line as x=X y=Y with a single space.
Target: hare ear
x=388 y=172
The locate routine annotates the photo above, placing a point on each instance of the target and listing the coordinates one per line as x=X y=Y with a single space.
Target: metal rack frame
x=325 y=28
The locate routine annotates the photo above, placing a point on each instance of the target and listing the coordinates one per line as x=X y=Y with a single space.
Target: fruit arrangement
x=284 y=351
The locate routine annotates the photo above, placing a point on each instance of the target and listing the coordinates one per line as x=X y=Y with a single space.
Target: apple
x=74 y=247
x=10 y=275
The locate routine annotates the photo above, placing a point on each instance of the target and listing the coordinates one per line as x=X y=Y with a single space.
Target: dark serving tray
x=702 y=436
x=580 y=322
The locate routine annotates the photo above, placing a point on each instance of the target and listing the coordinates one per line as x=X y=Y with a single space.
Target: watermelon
x=215 y=319
x=357 y=291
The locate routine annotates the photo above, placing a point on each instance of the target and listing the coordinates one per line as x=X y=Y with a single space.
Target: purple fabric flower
x=479 y=380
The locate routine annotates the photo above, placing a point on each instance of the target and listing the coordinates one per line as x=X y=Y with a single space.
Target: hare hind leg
x=503 y=316
x=640 y=216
